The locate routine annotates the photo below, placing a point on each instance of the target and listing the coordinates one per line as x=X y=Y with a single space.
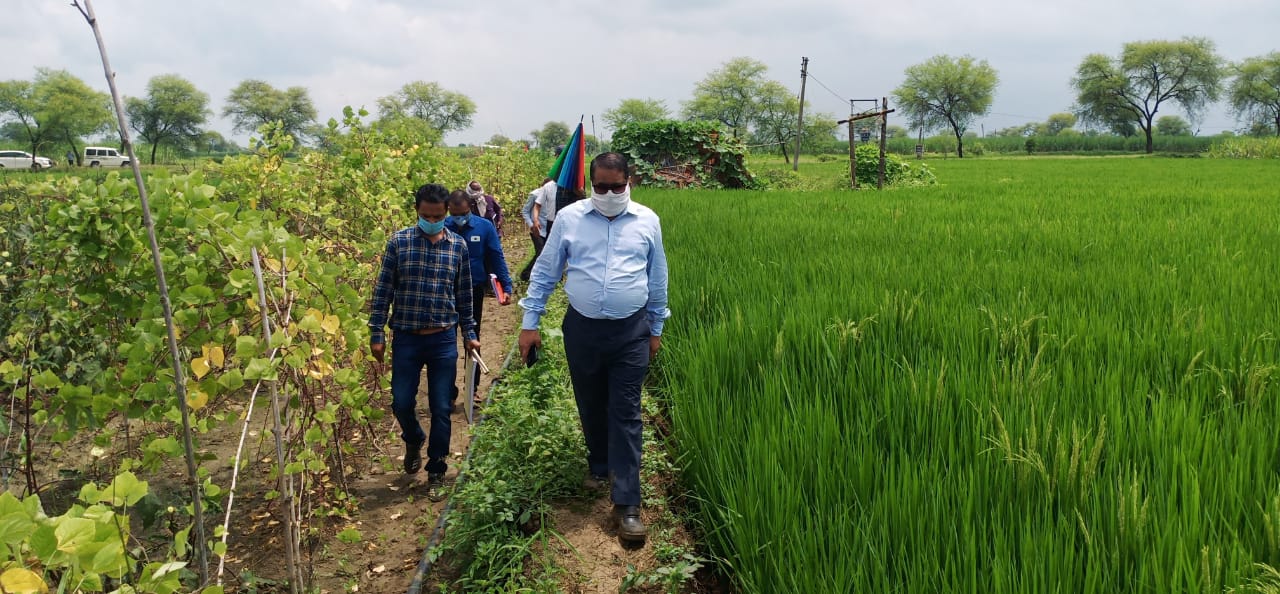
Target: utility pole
x=804 y=75
x=884 y=128
x=853 y=156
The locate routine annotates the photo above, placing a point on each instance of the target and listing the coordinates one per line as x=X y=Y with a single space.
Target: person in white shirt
x=538 y=221
x=545 y=205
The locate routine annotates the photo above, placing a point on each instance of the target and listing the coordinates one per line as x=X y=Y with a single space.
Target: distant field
x=1041 y=375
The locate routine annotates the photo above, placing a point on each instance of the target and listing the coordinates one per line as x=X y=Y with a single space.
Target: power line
x=823 y=85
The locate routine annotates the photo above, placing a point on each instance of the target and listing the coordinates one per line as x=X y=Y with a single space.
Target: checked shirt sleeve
x=383 y=293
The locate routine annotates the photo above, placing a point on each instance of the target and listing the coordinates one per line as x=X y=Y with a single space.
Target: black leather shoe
x=630 y=528
x=412 y=457
x=435 y=486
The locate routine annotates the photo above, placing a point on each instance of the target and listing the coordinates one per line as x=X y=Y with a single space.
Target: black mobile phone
x=532 y=357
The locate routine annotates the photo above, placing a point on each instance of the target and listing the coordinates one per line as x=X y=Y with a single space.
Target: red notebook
x=497 y=287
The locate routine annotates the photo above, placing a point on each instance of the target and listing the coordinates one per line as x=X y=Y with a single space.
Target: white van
x=99 y=156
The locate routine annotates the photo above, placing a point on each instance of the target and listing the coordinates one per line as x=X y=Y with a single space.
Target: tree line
x=56 y=108
x=1121 y=94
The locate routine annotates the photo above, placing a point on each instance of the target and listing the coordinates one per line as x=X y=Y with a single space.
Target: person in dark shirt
x=426 y=285
x=486 y=257
x=485 y=205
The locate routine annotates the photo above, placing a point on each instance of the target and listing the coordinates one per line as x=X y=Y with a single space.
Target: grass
x=1041 y=375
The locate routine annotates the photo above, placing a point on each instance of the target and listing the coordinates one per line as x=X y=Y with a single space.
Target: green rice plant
x=1036 y=376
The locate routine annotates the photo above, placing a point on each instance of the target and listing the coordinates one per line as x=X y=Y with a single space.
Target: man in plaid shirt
x=426 y=284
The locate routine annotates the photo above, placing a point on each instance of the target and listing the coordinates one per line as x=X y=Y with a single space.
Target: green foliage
x=56 y=106
x=83 y=549
x=695 y=152
x=82 y=334
x=1246 y=148
x=255 y=103
x=172 y=112
x=946 y=91
x=527 y=451
x=1084 y=144
x=1128 y=91
x=1254 y=93
x=635 y=111
x=1172 y=125
x=551 y=135
x=954 y=384
x=897 y=171
x=728 y=95
x=671 y=578
x=444 y=110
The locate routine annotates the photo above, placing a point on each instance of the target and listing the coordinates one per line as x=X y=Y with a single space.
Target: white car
x=23 y=160
x=101 y=156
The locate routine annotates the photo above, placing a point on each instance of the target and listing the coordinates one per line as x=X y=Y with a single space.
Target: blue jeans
x=439 y=353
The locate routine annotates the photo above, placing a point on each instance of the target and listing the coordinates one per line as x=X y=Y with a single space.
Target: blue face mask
x=430 y=228
x=462 y=220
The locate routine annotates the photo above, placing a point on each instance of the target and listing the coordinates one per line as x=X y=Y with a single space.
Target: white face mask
x=611 y=204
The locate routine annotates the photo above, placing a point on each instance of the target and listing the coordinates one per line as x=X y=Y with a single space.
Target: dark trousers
x=608 y=360
x=538 y=242
x=439 y=354
x=477 y=302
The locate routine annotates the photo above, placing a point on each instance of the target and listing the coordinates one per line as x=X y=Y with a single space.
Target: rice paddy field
x=1041 y=375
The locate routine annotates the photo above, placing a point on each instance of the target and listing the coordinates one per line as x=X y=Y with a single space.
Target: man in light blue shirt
x=609 y=250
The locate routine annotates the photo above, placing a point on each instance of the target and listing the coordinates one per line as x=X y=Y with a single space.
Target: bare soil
x=390 y=510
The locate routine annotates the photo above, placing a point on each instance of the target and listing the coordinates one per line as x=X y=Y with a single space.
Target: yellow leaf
x=235 y=328
x=214 y=355
x=23 y=581
x=321 y=369
x=200 y=367
x=330 y=324
x=196 y=399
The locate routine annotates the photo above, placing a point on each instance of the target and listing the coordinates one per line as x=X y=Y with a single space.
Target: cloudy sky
x=525 y=63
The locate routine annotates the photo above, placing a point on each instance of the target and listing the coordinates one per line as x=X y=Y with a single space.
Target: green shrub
x=1246 y=148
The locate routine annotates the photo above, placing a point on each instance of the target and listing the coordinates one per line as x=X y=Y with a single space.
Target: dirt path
x=395 y=519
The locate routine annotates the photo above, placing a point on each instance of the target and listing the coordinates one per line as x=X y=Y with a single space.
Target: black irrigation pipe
x=424 y=566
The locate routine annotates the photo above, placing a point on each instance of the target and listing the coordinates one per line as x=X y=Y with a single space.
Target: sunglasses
x=607 y=188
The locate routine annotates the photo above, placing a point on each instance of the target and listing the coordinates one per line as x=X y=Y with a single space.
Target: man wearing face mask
x=485 y=205
x=425 y=282
x=486 y=255
x=609 y=250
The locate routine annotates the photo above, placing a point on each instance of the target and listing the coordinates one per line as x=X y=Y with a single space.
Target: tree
x=1255 y=92
x=1147 y=74
x=172 y=112
x=254 y=103
x=895 y=131
x=819 y=132
x=55 y=106
x=445 y=110
x=551 y=135
x=498 y=140
x=774 y=119
x=1172 y=125
x=630 y=111
x=947 y=91
x=728 y=95
x=1057 y=123
x=212 y=142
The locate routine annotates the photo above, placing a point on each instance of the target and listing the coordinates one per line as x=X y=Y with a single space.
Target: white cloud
x=525 y=63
